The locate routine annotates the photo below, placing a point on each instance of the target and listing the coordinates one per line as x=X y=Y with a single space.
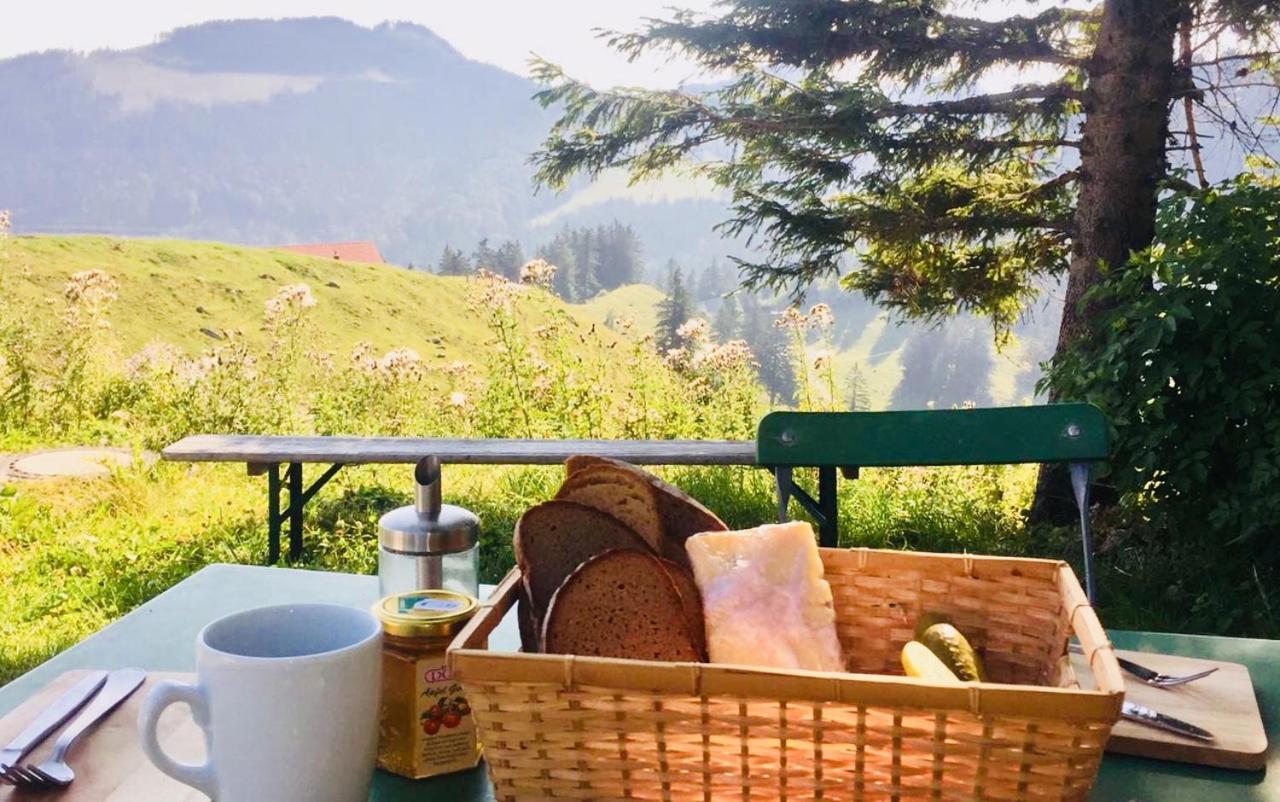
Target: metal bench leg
x=273 y=513
x=782 y=476
x=1080 y=486
x=828 y=530
x=823 y=509
x=296 y=503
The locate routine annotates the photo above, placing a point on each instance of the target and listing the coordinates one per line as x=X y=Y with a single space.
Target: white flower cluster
x=289 y=301
x=538 y=272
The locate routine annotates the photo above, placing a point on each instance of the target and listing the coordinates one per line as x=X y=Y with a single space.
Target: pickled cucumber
x=953 y=649
x=919 y=662
x=929 y=619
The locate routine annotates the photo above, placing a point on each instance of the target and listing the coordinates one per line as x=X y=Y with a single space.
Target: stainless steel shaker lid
x=428 y=527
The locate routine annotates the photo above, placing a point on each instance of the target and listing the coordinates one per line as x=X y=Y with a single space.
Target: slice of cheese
x=764 y=599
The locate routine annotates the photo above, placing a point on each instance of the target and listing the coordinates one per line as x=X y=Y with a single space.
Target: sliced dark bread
x=682 y=515
x=527 y=622
x=691 y=599
x=620 y=493
x=555 y=537
x=619 y=604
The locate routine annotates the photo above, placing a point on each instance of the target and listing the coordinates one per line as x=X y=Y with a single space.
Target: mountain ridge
x=305 y=129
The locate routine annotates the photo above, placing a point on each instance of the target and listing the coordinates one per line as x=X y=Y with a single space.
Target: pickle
x=953 y=649
x=929 y=619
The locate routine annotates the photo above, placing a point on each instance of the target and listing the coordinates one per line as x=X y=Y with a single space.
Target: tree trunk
x=1131 y=78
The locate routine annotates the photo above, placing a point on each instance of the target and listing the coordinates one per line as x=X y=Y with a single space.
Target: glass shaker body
x=401 y=572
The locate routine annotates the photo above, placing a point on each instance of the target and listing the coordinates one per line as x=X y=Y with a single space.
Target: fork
x=1154 y=678
x=51 y=718
x=54 y=772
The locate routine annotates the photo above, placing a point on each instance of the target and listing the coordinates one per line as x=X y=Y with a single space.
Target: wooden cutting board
x=1222 y=703
x=108 y=760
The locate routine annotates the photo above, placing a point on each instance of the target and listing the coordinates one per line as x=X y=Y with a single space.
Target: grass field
x=171 y=290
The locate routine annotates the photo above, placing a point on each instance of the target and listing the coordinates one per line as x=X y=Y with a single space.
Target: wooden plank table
x=267 y=453
x=160 y=636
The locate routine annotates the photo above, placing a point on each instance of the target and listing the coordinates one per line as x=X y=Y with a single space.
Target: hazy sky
x=501 y=32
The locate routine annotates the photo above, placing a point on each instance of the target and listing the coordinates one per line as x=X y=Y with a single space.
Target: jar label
x=447 y=735
x=430 y=605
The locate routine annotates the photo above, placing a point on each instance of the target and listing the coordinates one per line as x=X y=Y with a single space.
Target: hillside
x=170 y=290
x=267 y=132
x=639 y=302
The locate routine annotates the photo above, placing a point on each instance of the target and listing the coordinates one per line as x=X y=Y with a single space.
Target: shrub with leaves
x=1189 y=373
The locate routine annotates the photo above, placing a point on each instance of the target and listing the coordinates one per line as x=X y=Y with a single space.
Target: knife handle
x=61 y=710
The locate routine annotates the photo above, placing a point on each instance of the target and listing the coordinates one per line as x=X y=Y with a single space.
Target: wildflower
x=791 y=318
x=456 y=368
x=362 y=356
x=154 y=357
x=821 y=360
x=730 y=356
x=91 y=288
x=289 y=301
x=492 y=291
x=694 y=331
x=538 y=272
x=458 y=399
x=401 y=363
x=820 y=317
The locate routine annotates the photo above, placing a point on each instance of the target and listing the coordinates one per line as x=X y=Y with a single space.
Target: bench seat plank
x=266 y=449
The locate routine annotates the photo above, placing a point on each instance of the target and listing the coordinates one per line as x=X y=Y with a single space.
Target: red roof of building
x=341 y=251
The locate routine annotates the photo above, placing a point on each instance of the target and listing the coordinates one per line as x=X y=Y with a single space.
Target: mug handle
x=167 y=692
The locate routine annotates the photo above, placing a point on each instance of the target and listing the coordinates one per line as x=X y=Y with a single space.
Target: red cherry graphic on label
x=431 y=726
x=435 y=713
x=452 y=719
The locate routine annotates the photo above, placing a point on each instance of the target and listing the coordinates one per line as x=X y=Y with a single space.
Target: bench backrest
x=998 y=435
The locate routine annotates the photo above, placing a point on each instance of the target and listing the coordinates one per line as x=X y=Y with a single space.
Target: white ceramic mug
x=288 y=700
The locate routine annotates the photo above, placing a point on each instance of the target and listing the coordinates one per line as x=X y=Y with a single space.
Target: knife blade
x=1161 y=721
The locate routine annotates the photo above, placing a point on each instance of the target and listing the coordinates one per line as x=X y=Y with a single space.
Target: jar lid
x=425 y=613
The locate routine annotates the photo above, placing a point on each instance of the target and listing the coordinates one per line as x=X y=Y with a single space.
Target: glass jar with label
x=425 y=727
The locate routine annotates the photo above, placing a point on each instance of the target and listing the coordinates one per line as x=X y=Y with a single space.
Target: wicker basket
x=557 y=726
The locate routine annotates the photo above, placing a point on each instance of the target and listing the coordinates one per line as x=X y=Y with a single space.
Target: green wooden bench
x=1076 y=434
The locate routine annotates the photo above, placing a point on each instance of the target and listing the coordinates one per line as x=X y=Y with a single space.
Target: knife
x=52 y=717
x=1160 y=721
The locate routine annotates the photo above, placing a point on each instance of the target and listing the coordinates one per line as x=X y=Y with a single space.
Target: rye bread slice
x=619 y=604
x=682 y=515
x=527 y=623
x=555 y=537
x=691 y=600
x=620 y=493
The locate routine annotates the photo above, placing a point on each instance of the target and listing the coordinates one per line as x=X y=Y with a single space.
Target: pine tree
x=559 y=252
x=453 y=263
x=727 y=323
x=508 y=260
x=586 y=260
x=771 y=349
x=711 y=281
x=673 y=312
x=963 y=201
x=619 y=255
x=857 y=391
x=484 y=257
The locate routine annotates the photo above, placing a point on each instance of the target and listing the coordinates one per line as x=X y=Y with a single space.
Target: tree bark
x=1131 y=78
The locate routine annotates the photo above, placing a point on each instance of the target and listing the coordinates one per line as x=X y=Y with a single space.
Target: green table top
x=160 y=636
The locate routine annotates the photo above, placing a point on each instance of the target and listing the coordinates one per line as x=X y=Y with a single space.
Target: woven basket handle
x=1093 y=638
